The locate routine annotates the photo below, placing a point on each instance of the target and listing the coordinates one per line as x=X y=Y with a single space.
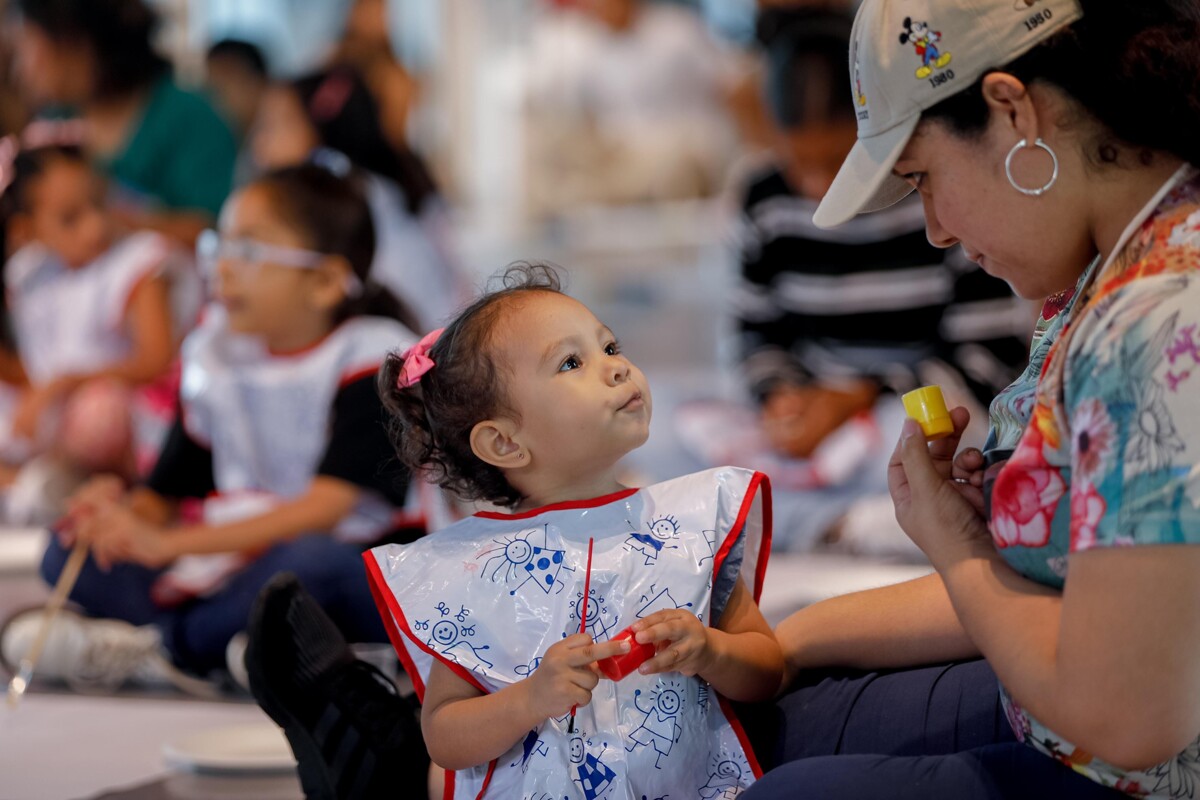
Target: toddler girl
x=280 y=440
x=527 y=401
x=88 y=312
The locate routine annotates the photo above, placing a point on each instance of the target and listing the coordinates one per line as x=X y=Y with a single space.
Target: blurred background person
x=833 y=325
x=236 y=75
x=278 y=459
x=366 y=46
x=627 y=103
x=169 y=154
x=92 y=333
x=334 y=111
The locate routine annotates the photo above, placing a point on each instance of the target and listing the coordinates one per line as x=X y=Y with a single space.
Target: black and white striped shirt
x=871 y=298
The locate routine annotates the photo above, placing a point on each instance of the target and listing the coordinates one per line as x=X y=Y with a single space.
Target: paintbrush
x=66 y=581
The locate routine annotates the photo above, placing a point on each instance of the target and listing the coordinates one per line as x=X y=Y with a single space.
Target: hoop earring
x=1013 y=182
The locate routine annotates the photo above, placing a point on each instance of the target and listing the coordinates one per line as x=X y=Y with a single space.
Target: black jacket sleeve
x=184 y=467
x=360 y=450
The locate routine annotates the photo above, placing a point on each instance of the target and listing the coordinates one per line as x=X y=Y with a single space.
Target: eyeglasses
x=212 y=247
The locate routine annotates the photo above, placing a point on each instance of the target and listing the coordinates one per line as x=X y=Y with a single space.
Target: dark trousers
x=918 y=734
x=196 y=632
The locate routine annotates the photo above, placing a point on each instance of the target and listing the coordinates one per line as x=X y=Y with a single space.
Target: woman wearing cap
x=1057 y=141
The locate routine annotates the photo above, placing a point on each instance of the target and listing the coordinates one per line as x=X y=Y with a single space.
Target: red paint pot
x=617 y=667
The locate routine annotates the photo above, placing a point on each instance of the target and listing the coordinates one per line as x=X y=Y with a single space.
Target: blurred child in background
x=168 y=154
x=832 y=323
x=366 y=46
x=236 y=75
x=335 y=110
x=280 y=447
x=91 y=326
x=830 y=319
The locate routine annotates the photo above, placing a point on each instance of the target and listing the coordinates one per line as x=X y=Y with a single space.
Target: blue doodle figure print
x=710 y=539
x=657 y=600
x=600 y=619
x=448 y=639
x=724 y=783
x=702 y=697
x=593 y=775
x=525 y=670
x=660 y=727
x=531 y=745
x=650 y=545
x=518 y=560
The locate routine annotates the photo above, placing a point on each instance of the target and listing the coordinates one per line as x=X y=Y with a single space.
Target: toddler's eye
x=570 y=363
x=612 y=349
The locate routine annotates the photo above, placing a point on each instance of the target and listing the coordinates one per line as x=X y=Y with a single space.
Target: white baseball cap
x=909 y=55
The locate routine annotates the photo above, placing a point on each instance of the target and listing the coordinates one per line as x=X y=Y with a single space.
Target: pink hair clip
x=331 y=96
x=416 y=360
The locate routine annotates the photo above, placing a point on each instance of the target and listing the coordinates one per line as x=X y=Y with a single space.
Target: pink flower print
x=1130 y=787
x=1023 y=503
x=1017 y=719
x=1184 y=344
x=1087 y=509
x=1092 y=439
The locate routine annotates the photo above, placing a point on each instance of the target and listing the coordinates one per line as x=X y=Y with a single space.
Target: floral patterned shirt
x=1110 y=455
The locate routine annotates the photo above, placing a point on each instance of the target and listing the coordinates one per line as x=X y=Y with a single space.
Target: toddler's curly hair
x=432 y=419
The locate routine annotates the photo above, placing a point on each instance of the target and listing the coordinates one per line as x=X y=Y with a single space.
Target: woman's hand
x=681 y=640
x=940 y=514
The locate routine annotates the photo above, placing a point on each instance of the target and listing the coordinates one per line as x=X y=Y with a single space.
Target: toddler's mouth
x=633 y=403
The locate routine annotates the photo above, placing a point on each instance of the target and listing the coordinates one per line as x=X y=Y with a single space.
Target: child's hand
x=567 y=674
x=95 y=493
x=116 y=534
x=30 y=409
x=681 y=639
x=796 y=419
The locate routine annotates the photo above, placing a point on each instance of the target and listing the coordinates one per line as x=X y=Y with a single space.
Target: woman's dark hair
x=346 y=117
x=246 y=54
x=118 y=32
x=432 y=420
x=331 y=213
x=1133 y=67
x=806 y=66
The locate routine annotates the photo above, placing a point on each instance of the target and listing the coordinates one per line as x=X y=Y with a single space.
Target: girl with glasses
x=279 y=459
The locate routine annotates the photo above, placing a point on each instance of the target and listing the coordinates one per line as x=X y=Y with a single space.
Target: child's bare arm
x=464 y=728
x=740 y=657
x=12 y=371
x=148 y=323
x=148 y=320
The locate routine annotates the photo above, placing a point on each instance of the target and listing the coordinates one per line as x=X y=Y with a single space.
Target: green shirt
x=181 y=155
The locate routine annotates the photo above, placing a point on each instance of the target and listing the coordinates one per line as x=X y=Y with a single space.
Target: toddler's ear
x=492 y=443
